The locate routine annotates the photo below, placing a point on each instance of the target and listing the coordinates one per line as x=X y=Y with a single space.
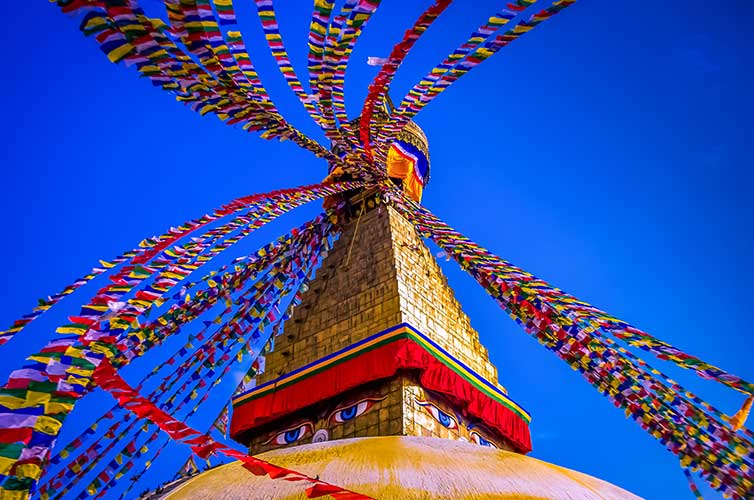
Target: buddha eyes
x=445 y=419
x=478 y=439
x=340 y=415
x=344 y=414
x=450 y=422
x=291 y=435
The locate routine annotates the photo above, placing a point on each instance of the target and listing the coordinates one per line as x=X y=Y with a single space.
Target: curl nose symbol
x=321 y=436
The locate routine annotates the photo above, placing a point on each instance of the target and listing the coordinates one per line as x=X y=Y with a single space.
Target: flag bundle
x=483 y=43
x=187 y=386
x=38 y=397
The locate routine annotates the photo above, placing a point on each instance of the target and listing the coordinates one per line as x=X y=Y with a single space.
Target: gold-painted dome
x=404 y=467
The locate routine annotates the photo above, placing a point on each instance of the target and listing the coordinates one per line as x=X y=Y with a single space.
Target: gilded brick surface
x=389 y=277
x=379 y=274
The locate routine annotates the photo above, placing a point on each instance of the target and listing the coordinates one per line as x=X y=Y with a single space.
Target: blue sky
x=607 y=152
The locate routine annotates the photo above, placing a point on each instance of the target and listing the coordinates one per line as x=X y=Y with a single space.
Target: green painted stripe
x=292 y=381
x=405 y=333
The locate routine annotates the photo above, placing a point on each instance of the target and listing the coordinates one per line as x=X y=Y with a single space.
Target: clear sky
x=609 y=152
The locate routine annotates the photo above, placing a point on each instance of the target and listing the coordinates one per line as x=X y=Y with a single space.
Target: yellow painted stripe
x=399 y=332
x=317 y=366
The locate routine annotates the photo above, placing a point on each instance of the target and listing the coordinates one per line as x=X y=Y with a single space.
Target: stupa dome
x=403 y=467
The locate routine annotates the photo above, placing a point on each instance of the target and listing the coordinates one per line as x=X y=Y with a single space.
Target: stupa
x=380 y=384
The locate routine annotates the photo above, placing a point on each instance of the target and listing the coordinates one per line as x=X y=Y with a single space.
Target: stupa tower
x=379 y=383
x=379 y=345
x=358 y=357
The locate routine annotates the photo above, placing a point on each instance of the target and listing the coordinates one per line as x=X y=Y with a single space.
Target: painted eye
x=291 y=435
x=350 y=412
x=439 y=415
x=478 y=439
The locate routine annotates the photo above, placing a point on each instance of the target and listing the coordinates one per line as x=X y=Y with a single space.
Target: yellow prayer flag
x=32 y=471
x=12 y=402
x=47 y=425
x=76 y=330
x=53 y=408
x=34 y=398
x=14 y=494
x=5 y=465
x=84 y=372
